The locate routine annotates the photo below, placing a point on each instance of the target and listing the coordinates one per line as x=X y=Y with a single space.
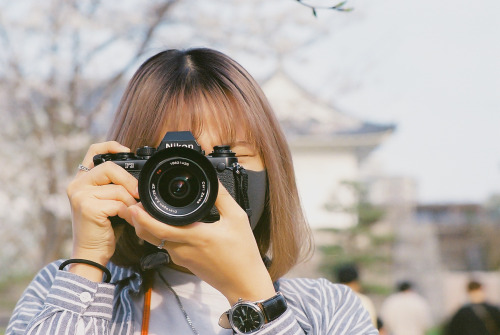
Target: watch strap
x=274 y=307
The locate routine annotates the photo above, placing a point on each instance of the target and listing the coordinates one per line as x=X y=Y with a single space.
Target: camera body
x=178 y=184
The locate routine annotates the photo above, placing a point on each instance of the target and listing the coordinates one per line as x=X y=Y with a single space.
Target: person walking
x=477 y=316
x=406 y=312
x=348 y=274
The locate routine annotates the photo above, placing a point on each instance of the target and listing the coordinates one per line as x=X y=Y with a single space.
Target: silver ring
x=161 y=245
x=83 y=168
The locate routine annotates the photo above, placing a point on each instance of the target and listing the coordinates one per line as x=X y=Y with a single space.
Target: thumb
x=142 y=221
x=226 y=204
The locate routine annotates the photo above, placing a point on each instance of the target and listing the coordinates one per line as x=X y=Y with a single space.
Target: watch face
x=247 y=318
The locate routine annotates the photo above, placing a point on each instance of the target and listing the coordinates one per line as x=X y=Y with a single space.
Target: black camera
x=178 y=184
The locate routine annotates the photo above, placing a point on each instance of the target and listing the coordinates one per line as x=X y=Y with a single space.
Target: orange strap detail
x=148 y=282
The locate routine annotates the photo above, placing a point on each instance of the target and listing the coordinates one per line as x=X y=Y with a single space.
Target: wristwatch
x=247 y=317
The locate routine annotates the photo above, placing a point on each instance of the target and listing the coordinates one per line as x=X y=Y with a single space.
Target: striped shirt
x=59 y=302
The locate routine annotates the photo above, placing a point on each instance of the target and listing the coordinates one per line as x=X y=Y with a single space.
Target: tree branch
x=110 y=86
x=338 y=7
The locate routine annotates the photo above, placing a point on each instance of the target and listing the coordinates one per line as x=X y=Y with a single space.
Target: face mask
x=257 y=188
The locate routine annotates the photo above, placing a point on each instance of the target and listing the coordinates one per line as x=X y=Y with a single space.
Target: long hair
x=183 y=90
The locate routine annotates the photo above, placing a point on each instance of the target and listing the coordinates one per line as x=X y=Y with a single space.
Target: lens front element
x=178 y=186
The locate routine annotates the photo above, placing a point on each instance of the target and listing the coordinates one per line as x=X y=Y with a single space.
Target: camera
x=178 y=184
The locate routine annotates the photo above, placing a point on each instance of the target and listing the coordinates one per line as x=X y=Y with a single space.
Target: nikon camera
x=178 y=184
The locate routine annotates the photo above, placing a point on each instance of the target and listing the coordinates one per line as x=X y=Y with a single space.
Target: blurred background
x=391 y=111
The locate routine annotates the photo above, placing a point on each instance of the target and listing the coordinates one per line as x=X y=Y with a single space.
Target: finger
x=147 y=236
x=226 y=205
x=142 y=222
x=113 y=208
x=114 y=192
x=101 y=148
x=111 y=173
x=100 y=210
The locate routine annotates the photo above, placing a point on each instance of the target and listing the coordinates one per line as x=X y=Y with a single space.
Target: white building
x=328 y=148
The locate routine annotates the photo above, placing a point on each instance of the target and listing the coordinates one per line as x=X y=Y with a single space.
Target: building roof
x=308 y=122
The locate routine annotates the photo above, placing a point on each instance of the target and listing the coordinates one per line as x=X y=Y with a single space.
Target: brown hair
x=180 y=90
x=473 y=285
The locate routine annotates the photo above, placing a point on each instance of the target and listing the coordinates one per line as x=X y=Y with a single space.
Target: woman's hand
x=104 y=191
x=222 y=253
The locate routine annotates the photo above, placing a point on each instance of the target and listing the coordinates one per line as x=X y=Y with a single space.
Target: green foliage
x=359 y=244
x=382 y=290
x=367 y=212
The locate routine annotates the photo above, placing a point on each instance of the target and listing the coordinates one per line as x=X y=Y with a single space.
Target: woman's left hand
x=224 y=253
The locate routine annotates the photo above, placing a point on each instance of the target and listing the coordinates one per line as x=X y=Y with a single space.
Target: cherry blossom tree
x=61 y=66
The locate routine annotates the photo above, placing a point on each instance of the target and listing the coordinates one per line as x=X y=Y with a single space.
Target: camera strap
x=241 y=183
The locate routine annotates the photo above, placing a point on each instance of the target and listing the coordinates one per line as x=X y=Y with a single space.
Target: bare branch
x=110 y=86
x=338 y=7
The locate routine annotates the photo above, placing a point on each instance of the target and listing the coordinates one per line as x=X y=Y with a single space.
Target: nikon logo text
x=174 y=145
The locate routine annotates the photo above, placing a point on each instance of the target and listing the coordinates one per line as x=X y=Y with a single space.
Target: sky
x=430 y=67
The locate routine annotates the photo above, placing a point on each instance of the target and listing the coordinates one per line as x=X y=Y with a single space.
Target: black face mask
x=257 y=189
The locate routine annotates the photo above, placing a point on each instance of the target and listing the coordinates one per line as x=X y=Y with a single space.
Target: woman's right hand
x=95 y=196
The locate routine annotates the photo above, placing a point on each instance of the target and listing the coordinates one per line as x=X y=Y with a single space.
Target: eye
x=247 y=156
x=243 y=151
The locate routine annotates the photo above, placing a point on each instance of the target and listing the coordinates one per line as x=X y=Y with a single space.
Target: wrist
x=252 y=294
x=97 y=256
x=255 y=287
x=247 y=317
x=87 y=269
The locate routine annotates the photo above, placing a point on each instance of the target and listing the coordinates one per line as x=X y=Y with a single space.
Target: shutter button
x=85 y=297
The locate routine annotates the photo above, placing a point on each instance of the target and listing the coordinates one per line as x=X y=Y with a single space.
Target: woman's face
x=248 y=156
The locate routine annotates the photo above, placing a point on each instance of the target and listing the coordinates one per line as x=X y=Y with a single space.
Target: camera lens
x=178 y=186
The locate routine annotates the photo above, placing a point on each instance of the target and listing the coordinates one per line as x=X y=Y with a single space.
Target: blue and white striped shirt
x=59 y=302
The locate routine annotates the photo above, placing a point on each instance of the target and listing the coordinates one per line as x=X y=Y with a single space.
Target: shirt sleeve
x=320 y=307
x=59 y=302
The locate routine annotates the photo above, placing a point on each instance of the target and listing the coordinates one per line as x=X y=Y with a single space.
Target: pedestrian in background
x=348 y=274
x=476 y=317
x=406 y=312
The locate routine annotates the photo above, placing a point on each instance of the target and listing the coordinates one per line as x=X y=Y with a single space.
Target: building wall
x=319 y=177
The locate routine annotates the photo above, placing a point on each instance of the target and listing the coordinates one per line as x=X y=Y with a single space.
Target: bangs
x=228 y=117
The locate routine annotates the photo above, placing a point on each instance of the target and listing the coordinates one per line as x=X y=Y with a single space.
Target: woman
x=230 y=268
